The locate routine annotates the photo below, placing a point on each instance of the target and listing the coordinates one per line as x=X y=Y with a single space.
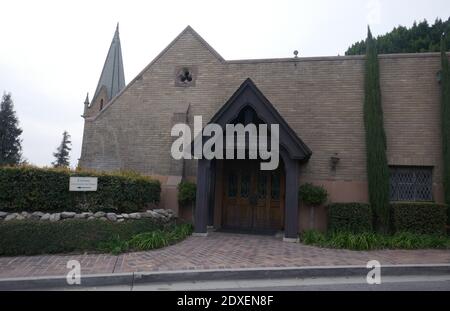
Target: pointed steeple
x=112 y=77
x=86 y=101
x=86 y=105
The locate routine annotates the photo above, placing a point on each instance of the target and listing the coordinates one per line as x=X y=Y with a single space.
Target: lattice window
x=275 y=191
x=245 y=185
x=262 y=185
x=411 y=183
x=232 y=185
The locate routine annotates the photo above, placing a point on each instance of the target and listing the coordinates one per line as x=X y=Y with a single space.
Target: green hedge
x=186 y=192
x=28 y=237
x=422 y=218
x=47 y=190
x=312 y=195
x=349 y=217
x=371 y=240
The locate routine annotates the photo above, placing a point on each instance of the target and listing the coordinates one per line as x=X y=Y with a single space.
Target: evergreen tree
x=377 y=167
x=62 y=153
x=419 y=38
x=445 y=122
x=10 y=142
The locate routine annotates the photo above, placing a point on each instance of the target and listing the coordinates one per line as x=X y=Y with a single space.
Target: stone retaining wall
x=164 y=215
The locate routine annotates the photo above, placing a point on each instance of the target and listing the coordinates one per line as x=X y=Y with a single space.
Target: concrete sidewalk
x=217 y=251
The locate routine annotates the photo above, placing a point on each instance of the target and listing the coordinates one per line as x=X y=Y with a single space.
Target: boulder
x=37 y=214
x=147 y=215
x=46 y=217
x=103 y=218
x=152 y=213
x=65 y=215
x=125 y=216
x=3 y=214
x=91 y=218
x=111 y=216
x=121 y=220
x=25 y=215
x=164 y=212
x=135 y=216
x=79 y=216
x=87 y=214
x=11 y=216
x=99 y=214
x=20 y=217
x=55 y=217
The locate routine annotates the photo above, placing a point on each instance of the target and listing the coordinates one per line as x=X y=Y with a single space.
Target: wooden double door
x=253 y=200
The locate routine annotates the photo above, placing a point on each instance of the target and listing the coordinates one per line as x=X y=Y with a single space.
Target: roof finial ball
x=296 y=54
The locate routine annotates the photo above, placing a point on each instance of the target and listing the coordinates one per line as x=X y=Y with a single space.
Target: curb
x=93 y=280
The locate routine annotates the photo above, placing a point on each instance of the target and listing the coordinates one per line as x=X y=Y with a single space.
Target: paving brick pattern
x=217 y=251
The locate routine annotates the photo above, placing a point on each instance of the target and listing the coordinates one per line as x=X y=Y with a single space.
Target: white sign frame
x=83 y=184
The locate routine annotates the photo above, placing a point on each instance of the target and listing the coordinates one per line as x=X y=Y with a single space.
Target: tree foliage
x=445 y=115
x=419 y=38
x=10 y=142
x=312 y=195
x=62 y=154
x=377 y=167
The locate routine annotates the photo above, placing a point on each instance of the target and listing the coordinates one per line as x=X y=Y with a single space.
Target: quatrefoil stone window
x=185 y=76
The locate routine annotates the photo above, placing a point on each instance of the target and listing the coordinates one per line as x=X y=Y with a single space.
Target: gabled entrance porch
x=236 y=193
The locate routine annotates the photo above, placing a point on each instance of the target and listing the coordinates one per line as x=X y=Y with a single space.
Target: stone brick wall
x=320 y=98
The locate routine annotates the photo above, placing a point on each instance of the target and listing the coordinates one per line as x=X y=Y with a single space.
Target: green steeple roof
x=112 y=76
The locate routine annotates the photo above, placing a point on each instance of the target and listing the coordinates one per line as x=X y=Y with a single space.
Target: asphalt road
x=404 y=283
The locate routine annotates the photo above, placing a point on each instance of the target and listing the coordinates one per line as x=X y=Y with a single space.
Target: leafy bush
x=313 y=237
x=28 y=237
x=153 y=239
x=31 y=189
x=349 y=217
x=150 y=240
x=370 y=240
x=312 y=195
x=423 y=217
x=186 y=192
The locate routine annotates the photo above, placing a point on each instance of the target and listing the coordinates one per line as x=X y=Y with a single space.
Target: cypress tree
x=445 y=122
x=10 y=142
x=62 y=153
x=377 y=167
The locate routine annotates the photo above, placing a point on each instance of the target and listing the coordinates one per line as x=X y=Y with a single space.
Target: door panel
x=252 y=199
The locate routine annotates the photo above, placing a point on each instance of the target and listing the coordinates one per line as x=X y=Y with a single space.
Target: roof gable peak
x=195 y=34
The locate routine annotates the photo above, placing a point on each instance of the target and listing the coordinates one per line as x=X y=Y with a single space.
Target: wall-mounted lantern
x=334 y=160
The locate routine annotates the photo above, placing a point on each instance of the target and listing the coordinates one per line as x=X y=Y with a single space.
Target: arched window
x=101 y=104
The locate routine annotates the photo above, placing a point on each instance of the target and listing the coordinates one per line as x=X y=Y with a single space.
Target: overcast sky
x=52 y=52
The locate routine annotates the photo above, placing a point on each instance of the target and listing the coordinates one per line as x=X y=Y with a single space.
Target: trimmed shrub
x=370 y=240
x=312 y=195
x=419 y=217
x=349 y=217
x=32 y=189
x=186 y=192
x=28 y=237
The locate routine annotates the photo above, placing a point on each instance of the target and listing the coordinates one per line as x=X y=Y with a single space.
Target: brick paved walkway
x=217 y=251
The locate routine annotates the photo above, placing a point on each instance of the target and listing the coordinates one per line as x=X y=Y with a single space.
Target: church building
x=317 y=103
